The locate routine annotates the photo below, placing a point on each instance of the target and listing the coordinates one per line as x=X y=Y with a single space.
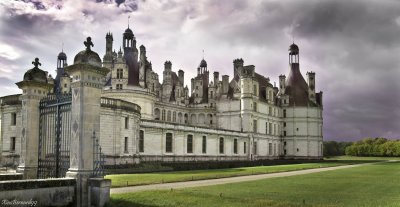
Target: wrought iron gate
x=54 y=135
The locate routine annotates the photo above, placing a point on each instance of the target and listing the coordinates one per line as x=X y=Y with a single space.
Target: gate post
x=34 y=87
x=87 y=82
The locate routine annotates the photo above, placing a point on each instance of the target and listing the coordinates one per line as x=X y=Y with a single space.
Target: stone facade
x=145 y=119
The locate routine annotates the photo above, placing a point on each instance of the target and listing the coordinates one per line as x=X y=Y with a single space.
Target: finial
x=62 y=47
x=36 y=62
x=88 y=43
x=128 y=20
x=203 y=54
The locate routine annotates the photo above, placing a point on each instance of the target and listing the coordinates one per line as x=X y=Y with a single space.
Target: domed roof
x=88 y=56
x=203 y=64
x=36 y=74
x=62 y=55
x=293 y=49
x=128 y=31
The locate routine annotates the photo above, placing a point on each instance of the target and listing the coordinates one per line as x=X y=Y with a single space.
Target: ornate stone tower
x=131 y=57
x=34 y=87
x=61 y=64
x=108 y=57
x=88 y=80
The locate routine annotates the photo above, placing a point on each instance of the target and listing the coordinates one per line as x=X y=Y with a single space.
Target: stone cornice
x=23 y=84
x=87 y=67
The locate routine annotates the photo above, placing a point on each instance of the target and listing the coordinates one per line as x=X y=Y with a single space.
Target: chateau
x=143 y=118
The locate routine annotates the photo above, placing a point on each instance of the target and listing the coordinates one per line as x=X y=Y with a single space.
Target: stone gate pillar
x=34 y=87
x=87 y=82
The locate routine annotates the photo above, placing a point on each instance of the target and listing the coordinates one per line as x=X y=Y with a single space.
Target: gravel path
x=219 y=181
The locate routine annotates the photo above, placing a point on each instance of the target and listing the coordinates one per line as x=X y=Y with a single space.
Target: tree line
x=365 y=147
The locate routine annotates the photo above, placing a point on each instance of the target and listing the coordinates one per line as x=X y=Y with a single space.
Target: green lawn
x=122 y=180
x=361 y=158
x=372 y=185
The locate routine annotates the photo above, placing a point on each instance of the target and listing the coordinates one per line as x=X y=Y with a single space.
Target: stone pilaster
x=86 y=90
x=33 y=92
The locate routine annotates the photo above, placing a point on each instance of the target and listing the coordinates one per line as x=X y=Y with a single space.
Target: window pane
x=141 y=141
x=190 y=144
x=204 y=144
x=168 y=142
x=221 y=145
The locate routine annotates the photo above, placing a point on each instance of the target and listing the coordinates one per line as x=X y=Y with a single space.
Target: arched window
x=186 y=118
x=174 y=116
x=221 y=145
x=180 y=120
x=189 y=144
x=157 y=114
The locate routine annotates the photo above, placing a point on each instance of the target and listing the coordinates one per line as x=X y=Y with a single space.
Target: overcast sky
x=352 y=46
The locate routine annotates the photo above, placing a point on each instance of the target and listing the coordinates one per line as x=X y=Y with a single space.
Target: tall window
x=12 y=144
x=235 y=146
x=255 y=90
x=244 y=147
x=270 y=111
x=189 y=144
x=126 y=145
x=275 y=149
x=204 y=145
x=13 y=119
x=255 y=106
x=163 y=115
x=255 y=126
x=284 y=133
x=169 y=116
x=284 y=113
x=270 y=148
x=255 y=148
x=119 y=86
x=126 y=122
x=168 y=142
x=221 y=145
x=270 y=129
x=119 y=73
x=141 y=141
x=266 y=127
x=275 y=129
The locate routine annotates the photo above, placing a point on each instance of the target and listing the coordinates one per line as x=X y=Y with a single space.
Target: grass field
x=361 y=158
x=122 y=180
x=372 y=185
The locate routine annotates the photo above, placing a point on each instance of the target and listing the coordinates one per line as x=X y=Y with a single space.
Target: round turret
x=62 y=56
x=36 y=74
x=293 y=49
x=128 y=33
x=88 y=56
x=203 y=64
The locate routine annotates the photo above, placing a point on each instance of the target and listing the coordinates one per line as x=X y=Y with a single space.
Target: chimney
x=181 y=75
x=225 y=83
